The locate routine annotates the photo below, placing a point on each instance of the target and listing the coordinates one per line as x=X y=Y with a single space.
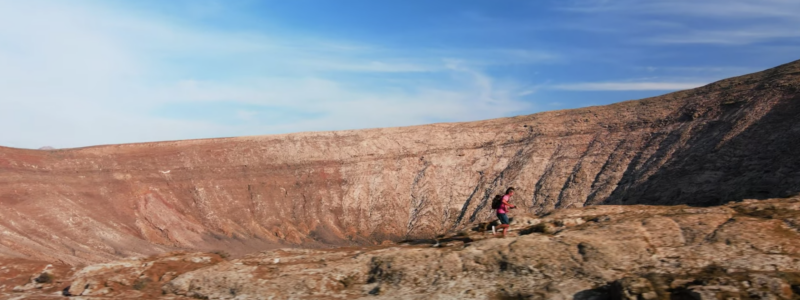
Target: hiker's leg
x=499 y=226
x=499 y=229
x=504 y=219
x=504 y=229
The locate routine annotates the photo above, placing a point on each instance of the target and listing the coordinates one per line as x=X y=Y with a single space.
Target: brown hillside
x=726 y=141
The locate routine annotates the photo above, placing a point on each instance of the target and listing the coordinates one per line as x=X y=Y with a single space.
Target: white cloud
x=628 y=86
x=369 y=66
x=736 y=9
x=716 y=22
x=726 y=37
x=78 y=74
x=701 y=69
x=336 y=107
x=707 y=8
x=246 y=115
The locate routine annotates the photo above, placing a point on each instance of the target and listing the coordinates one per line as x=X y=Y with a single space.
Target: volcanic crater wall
x=730 y=140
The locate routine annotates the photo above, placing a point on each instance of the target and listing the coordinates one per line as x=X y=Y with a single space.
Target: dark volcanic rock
x=726 y=141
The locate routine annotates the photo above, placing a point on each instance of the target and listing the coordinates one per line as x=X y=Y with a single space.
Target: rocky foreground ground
x=746 y=250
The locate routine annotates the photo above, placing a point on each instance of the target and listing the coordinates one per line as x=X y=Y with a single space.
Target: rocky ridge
x=727 y=141
x=747 y=250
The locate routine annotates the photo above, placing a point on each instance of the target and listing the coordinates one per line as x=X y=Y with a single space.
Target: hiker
x=503 y=208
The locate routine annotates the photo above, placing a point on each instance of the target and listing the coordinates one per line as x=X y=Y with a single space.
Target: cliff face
x=727 y=141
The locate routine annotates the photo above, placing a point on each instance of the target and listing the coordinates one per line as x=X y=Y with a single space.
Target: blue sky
x=79 y=73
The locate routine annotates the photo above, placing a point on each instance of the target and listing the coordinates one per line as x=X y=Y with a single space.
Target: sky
x=80 y=72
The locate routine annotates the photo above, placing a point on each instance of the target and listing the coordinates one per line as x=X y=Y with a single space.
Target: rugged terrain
x=726 y=141
x=746 y=250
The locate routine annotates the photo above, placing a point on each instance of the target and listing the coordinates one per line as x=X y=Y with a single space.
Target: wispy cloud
x=726 y=37
x=83 y=74
x=711 y=22
x=708 y=8
x=93 y=72
x=628 y=86
x=700 y=69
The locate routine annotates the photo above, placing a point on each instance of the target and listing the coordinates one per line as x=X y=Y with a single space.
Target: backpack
x=497 y=201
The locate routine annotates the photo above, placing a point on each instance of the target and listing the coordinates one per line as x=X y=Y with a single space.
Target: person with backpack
x=502 y=206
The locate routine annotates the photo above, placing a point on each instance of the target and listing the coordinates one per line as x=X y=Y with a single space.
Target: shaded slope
x=744 y=147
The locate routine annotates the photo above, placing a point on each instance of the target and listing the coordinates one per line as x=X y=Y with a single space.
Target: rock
x=639 y=252
x=79 y=287
x=591 y=261
x=651 y=295
x=20 y=289
x=137 y=276
x=714 y=292
x=730 y=140
x=701 y=293
x=118 y=210
x=633 y=288
x=775 y=286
